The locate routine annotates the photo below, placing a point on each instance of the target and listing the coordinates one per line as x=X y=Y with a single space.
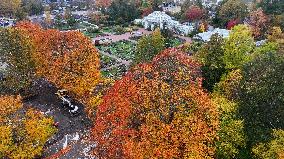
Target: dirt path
x=71 y=129
x=124 y=36
x=127 y=35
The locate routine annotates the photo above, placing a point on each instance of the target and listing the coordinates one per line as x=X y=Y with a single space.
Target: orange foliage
x=67 y=59
x=103 y=3
x=158 y=110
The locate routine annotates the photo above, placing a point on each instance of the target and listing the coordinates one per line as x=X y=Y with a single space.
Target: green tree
x=233 y=9
x=32 y=7
x=231 y=134
x=16 y=49
x=272 y=6
x=238 y=47
x=149 y=46
x=122 y=11
x=211 y=55
x=261 y=99
x=272 y=149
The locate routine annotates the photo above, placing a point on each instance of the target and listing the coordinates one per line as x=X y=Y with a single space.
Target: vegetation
x=154 y=94
x=149 y=46
x=22 y=135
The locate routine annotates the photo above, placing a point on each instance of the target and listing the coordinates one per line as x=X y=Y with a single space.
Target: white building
x=160 y=20
x=207 y=35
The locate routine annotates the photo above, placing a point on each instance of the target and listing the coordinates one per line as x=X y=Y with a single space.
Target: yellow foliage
x=22 y=136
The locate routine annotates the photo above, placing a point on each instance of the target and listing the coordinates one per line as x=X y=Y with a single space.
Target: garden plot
x=121 y=49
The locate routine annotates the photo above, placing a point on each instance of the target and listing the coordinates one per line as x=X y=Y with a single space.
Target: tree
x=233 y=9
x=229 y=85
x=258 y=22
x=272 y=6
x=22 y=135
x=67 y=59
x=211 y=55
x=149 y=46
x=32 y=7
x=9 y=7
x=122 y=11
x=16 y=49
x=261 y=100
x=188 y=3
x=238 y=47
x=272 y=149
x=194 y=13
x=277 y=37
x=232 y=139
x=158 y=110
x=103 y=3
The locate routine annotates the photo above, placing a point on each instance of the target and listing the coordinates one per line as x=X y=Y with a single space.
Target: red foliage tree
x=232 y=23
x=258 y=22
x=194 y=13
x=103 y=3
x=147 y=11
x=158 y=110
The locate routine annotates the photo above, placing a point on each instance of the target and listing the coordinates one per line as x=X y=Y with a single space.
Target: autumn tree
x=16 y=49
x=194 y=13
x=22 y=135
x=238 y=47
x=103 y=3
x=188 y=3
x=277 y=36
x=233 y=9
x=258 y=22
x=149 y=46
x=158 y=110
x=9 y=7
x=67 y=59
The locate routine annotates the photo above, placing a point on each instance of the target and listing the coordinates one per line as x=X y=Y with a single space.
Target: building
x=161 y=20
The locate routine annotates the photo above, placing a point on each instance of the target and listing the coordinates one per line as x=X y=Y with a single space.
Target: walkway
x=126 y=36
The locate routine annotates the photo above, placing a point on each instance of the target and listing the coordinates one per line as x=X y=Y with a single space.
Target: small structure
x=66 y=101
x=6 y=22
x=161 y=20
x=207 y=35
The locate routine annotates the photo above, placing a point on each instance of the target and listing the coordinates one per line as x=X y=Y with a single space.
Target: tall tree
x=149 y=46
x=68 y=59
x=9 y=7
x=261 y=100
x=211 y=55
x=259 y=23
x=16 y=49
x=158 y=110
x=233 y=9
x=122 y=11
x=272 y=6
x=194 y=13
x=238 y=47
